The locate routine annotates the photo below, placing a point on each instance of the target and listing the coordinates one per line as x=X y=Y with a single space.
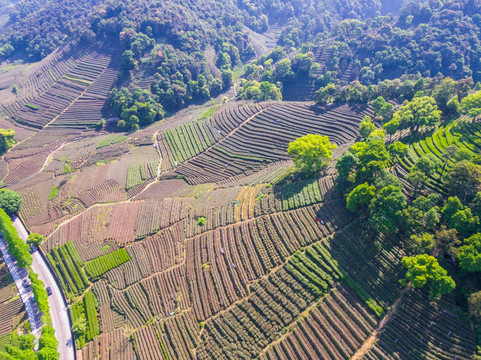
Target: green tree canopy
x=469 y=254
x=447 y=240
x=366 y=127
x=35 y=239
x=416 y=178
x=474 y=303
x=427 y=164
x=421 y=244
x=471 y=105
x=47 y=341
x=360 y=196
x=377 y=105
x=387 y=209
x=398 y=149
x=448 y=154
x=10 y=201
x=464 y=180
x=48 y=354
x=421 y=111
x=422 y=215
x=6 y=139
x=346 y=164
x=425 y=270
x=79 y=327
x=311 y=153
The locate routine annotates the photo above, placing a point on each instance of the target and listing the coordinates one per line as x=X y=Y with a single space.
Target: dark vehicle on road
x=49 y=291
x=26 y=283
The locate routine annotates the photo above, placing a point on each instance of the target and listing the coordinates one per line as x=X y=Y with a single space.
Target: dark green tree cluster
x=180 y=77
x=414 y=114
x=369 y=187
x=21 y=347
x=373 y=192
x=388 y=47
x=6 y=139
x=276 y=67
x=19 y=250
x=305 y=19
x=10 y=201
x=259 y=91
x=135 y=108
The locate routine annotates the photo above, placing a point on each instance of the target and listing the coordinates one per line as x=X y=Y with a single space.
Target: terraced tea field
x=191 y=239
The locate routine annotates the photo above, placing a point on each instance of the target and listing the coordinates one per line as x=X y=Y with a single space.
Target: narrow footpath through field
x=58 y=304
x=371 y=340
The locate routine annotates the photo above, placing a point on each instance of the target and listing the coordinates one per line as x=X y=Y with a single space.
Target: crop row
x=264 y=139
x=107 y=191
x=371 y=264
x=274 y=303
x=187 y=141
x=437 y=143
x=62 y=93
x=156 y=214
x=425 y=330
x=132 y=271
x=334 y=329
x=175 y=338
x=9 y=312
x=301 y=193
x=68 y=265
x=99 y=266
x=158 y=295
x=224 y=261
x=231 y=115
x=114 y=346
x=87 y=309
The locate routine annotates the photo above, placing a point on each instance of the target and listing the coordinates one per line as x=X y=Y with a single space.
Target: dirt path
x=159 y=167
x=370 y=341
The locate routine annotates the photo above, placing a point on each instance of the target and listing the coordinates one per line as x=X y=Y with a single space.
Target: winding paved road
x=19 y=274
x=58 y=305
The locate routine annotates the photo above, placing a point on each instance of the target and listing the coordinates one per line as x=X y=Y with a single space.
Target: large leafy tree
x=427 y=164
x=346 y=164
x=471 y=105
x=447 y=240
x=372 y=156
x=360 y=197
x=416 y=178
x=398 y=149
x=464 y=180
x=421 y=111
x=366 y=127
x=469 y=254
x=10 y=201
x=387 y=209
x=474 y=303
x=422 y=215
x=6 y=139
x=425 y=270
x=311 y=153
x=421 y=244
